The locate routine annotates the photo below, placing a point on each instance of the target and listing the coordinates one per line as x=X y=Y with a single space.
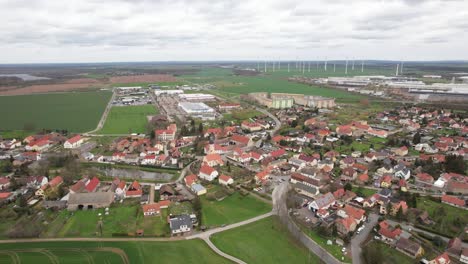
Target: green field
x=122 y=220
x=264 y=241
x=76 y=112
x=277 y=82
x=188 y=251
x=127 y=119
x=232 y=209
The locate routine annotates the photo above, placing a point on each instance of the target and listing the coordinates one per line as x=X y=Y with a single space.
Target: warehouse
x=168 y=92
x=198 y=110
x=197 y=97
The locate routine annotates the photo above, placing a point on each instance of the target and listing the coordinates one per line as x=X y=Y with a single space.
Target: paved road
x=359 y=238
x=104 y=115
x=279 y=201
x=219 y=252
x=277 y=122
x=408 y=227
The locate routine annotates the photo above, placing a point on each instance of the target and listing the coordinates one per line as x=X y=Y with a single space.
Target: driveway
x=361 y=237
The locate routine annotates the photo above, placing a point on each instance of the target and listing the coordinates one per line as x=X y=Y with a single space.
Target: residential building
x=73 y=142
x=225 y=180
x=180 y=225
x=207 y=173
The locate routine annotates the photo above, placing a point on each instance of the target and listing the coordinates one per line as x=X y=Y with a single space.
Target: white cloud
x=144 y=30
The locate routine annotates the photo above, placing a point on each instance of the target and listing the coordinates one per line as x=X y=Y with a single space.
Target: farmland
x=127 y=119
x=264 y=241
x=76 y=112
x=232 y=209
x=188 y=251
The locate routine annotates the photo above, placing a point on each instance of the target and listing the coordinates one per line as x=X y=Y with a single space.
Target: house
x=251 y=126
x=213 y=160
x=207 y=173
x=180 y=225
x=454 y=201
x=191 y=179
x=5 y=196
x=345 y=225
x=396 y=207
x=39 y=145
x=386 y=181
x=166 y=191
x=262 y=176
x=198 y=189
x=441 y=259
x=457 y=187
x=134 y=190
x=277 y=153
x=151 y=209
x=389 y=234
x=120 y=190
x=92 y=185
x=344 y=130
x=167 y=134
x=409 y=247
x=84 y=201
x=362 y=179
x=73 y=142
x=424 y=179
x=242 y=141
x=378 y=133
x=322 y=202
x=225 y=180
x=401 y=172
x=402 y=151
x=454 y=247
x=149 y=159
x=4 y=183
x=52 y=185
x=359 y=215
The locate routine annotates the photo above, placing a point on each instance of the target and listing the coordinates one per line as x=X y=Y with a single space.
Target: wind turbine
x=325 y=67
x=401 y=68
x=334 y=67
x=397 y=66
x=303 y=68
x=353 y=66
x=362 y=66
x=265 y=66
x=258 y=66
x=309 y=66
x=346 y=67
x=288 y=66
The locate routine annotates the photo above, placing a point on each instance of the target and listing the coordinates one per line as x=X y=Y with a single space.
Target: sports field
x=232 y=209
x=264 y=241
x=188 y=251
x=127 y=119
x=76 y=112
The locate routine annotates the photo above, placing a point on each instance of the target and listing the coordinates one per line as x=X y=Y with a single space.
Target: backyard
x=127 y=119
x=123 y=220
x=449 y=220
x=73 y=111
x=264 y=241
x=385 y=253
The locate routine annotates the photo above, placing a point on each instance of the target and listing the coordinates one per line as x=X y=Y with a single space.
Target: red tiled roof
x=74 y=139
x=92 y=184
x=453 y=200
x=189 y=180
x=424 y=177
x=56 y=181
x=277 y=153
x=5 y=195
x=338 y=193
x=225 y=177
x=241 y=139
x=356 y=213
x=205 y=169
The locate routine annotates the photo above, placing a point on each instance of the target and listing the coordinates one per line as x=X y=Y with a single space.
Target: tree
x=348 y=186
x=417 y=138
x=294 y=123
x=399 y=215
x=372 y=255
x=14 y=183
x=22 y=202
x=7 y=166
x=455 y=164
x=200 y=128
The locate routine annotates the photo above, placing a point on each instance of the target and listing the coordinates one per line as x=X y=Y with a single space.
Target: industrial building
x=286 y=100
x=197 y=97
x=198 y=110
x=168 y=92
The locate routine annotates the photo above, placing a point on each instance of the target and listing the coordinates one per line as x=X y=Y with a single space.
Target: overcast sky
x=178 y=30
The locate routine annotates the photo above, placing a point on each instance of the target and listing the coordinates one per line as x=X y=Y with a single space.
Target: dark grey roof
x=181 y=220
x=306 y=188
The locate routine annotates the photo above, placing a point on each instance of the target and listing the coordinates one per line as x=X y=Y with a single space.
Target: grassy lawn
x=232 y=209
x=334 y=249
x=364 y=191
x=264 y=241
x=188 y=251
x=122 y=220
x=18 y=134
x=76 y=112
x=389 y=255
x=127 y=119
x=241 y=115
x=449 y=220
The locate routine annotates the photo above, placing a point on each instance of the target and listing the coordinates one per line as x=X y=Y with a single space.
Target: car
x=376 y=237
x=343 y=250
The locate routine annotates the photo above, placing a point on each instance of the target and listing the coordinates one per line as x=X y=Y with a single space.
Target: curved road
x=104 y=115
